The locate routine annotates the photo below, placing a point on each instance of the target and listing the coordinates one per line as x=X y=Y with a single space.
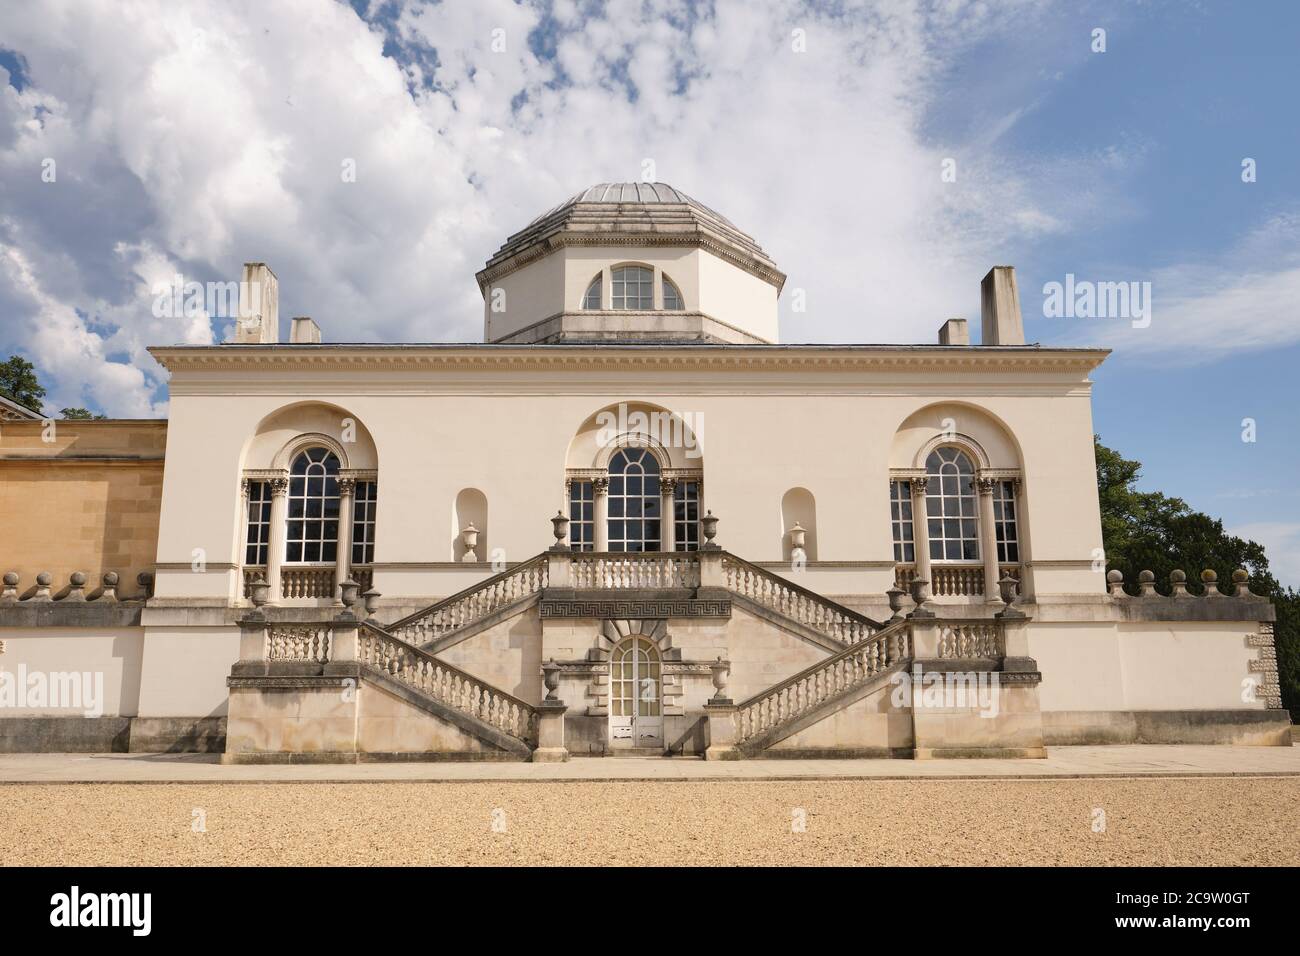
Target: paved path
x=1061 y=763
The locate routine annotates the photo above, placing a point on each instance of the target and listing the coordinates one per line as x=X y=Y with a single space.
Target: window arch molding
x=964 y=443
x=300 y=443
x=633 y=440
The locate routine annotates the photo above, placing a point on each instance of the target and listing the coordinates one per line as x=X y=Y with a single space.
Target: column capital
x=347 y=487
x=986 y=486
x=600 y=487
x=667 y=485
x=918 y=484
x=279 y=486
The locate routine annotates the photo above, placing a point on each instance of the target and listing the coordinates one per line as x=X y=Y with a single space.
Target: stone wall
x=89 y=500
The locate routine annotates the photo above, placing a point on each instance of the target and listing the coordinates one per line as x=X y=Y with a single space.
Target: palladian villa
x=630 y=520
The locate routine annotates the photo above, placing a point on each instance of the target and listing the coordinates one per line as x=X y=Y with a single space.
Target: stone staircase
x=475 y=706
x=474 y=608
x=863 y=650
x=809 y=696
x=842 y=690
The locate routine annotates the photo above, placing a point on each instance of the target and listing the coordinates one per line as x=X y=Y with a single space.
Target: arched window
x=634 y=501
x=672 y=298
x=632 y=287
x=312 y=531
x=950 y=506
x=592 y=299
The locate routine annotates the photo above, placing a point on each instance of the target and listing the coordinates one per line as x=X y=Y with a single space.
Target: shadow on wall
x=798 y=507
x=469 y=522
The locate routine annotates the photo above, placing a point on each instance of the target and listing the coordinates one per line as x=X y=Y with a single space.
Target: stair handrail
x=869 y=657
x=536 y=566
x=446 y=683
x=860 y=626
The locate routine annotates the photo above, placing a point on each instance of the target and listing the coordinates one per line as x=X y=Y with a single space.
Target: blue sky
x=191 y=138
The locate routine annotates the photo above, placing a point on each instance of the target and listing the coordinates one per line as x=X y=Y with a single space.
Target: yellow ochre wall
x=87 y=500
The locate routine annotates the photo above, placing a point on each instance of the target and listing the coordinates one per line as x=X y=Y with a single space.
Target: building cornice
x=659 y=358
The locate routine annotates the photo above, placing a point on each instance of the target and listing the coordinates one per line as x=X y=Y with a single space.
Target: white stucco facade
x=623 y=481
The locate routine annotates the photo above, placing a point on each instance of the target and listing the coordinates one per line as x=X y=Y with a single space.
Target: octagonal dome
x=635 y=214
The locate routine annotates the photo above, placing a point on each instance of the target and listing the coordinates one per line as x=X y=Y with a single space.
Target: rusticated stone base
x=1255 y=728
x=73 y=734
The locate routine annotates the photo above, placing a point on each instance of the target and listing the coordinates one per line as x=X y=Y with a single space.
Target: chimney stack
x=259 y=306
x=1000 y=308
x=303 y=331
x=954 y=332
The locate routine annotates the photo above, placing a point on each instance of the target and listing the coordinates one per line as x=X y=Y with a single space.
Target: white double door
x=635 y=695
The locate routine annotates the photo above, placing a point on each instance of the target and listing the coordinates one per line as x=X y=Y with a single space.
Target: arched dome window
x=672 y=298
x=592 y=298
x=313 y=513
x=632 y=288
x=634 y=501
x=950 y=506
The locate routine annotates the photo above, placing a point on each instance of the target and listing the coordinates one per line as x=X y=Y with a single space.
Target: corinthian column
x=921 y=531
x=343 y=556
x=988 y=538
x=667 y=518
x=600 y=518
x=275 y=547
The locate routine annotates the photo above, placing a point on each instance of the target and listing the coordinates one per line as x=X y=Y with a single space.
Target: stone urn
x=551 y=678
x=709 y=525
x=721 y=671
x=350 y=592
x=371 y=598
x=469 y=538
x=559 y=528
x=259 y=592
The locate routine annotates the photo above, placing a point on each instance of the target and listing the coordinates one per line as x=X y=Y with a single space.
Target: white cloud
x=1281 y=541
x=1241 y=301
x=193 y=139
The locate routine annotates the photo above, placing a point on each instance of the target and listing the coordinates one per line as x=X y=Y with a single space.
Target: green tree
x=1150 y=531
x=18 y=383
x=81 y=415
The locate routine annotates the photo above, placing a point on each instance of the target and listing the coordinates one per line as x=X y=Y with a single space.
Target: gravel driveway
x=1186 y=821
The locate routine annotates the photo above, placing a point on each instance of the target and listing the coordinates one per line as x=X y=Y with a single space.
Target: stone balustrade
x=474 y=603
x=809 y=689
x=449 y=685
x=953 y=580
x=807 y=607
x=635 y=570
x=306 y=581
x=77 y=592
x=311 y=583
x=961 y=640
x=1178 y=586
x=306 y=643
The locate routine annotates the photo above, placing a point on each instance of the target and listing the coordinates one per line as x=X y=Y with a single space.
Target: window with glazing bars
x=259 y=523
x=900 y=520
x=313 y=526
x=686 y=515
x=1004 y=522
x=363 y=522
x=582 y=507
